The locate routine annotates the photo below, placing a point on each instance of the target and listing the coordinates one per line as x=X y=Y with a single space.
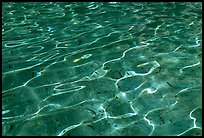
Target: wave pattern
x=101 y=68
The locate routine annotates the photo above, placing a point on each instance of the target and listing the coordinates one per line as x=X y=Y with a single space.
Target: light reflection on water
x=101 y=68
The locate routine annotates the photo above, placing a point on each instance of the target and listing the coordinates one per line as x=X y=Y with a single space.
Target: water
x=101 y=68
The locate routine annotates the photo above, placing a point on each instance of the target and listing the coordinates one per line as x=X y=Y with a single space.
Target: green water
x=102 y=68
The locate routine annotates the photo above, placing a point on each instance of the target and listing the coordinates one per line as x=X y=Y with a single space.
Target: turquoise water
x=102 y=68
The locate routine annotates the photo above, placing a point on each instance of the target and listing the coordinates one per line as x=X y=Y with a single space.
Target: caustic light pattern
x=109 y=68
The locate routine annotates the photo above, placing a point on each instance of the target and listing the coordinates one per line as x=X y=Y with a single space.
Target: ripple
x=106 y=69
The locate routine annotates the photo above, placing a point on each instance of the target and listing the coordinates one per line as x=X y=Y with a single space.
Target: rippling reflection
x=101 y=68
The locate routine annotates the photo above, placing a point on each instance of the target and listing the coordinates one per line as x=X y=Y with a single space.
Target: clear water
x=101 y=68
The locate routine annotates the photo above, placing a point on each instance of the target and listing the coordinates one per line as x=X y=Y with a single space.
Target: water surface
x=93 y=68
